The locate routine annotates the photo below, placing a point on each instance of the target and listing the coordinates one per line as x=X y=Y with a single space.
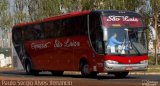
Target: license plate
x=129 y=68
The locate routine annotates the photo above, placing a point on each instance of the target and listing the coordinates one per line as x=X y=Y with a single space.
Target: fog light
x=144 y=62
x=110 y=68
x=112 y=62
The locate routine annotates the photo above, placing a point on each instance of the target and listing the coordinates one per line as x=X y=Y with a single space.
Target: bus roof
x=73 y=14
x=124 y=12
x=57 y=17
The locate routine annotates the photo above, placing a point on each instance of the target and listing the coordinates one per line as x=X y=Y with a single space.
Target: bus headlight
x=112 y=62
x=144 y=62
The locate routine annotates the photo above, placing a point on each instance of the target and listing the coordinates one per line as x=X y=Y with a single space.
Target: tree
x=20 y=13
x=5 y=22
x=3 y=13
x=156 y=9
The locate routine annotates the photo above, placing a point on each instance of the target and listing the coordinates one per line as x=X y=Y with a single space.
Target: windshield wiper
x=129 y=43
x=135 y=48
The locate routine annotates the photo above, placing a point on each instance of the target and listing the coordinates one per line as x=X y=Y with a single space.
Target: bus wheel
x=29 y=69
x=85 y=70
x=57 y=73
x=121 y=74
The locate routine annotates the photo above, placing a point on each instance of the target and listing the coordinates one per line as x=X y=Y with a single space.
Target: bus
x=91 y=42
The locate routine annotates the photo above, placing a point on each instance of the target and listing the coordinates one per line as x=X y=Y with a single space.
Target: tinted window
x=76 y=26
x=34 y=32
x=17 y=35
x=53 y=29
x=67 y=27
x=96 y=33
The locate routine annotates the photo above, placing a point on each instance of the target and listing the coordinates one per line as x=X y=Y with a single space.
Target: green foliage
x=5 y=51
x=3 y=6
x=4 y=14
x=151 y=60
x=159 y=58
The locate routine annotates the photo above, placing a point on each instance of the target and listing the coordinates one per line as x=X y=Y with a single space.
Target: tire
x=57 y=73
x=120 y=74
x=85 y=70
x=29 y=70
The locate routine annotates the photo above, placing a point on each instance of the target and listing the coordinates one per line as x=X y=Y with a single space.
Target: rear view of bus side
x=83 y=41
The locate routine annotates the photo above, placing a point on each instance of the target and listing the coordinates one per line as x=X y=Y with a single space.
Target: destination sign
x=122 y=18
x=121 y=21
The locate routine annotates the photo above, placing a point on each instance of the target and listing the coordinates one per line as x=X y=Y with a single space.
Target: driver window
x=96 y=34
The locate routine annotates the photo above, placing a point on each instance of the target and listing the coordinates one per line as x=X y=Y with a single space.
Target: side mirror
x=152 y=32
x=105 y=33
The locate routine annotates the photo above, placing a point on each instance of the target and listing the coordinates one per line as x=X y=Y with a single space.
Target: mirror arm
x=153 y=32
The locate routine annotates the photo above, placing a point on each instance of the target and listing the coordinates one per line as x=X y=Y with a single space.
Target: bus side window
x=49 y=30
x=60 y=28
x=17 y=39
x=17 y=34
x=28 y=33
x=68 y=27
x=96 y=34
x=76 y=26
x=84 y=30
x=38 y=32
x=80 y=24
x=54 y=29
x=33 y=33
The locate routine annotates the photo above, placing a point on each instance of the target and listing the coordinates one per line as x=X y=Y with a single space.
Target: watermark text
x=149 y=83
x=35 y=83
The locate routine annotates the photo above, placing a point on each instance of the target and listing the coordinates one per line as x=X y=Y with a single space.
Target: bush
x=5 y=51
x=159 y=59
x=151 y=59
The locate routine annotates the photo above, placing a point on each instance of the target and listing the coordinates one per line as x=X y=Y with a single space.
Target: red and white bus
x=83 y=41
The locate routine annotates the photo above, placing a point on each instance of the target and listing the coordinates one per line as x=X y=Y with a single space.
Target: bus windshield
x=130 y=41
x=125 y=35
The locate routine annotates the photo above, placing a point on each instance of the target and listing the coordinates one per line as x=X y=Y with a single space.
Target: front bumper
x=124 y=67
